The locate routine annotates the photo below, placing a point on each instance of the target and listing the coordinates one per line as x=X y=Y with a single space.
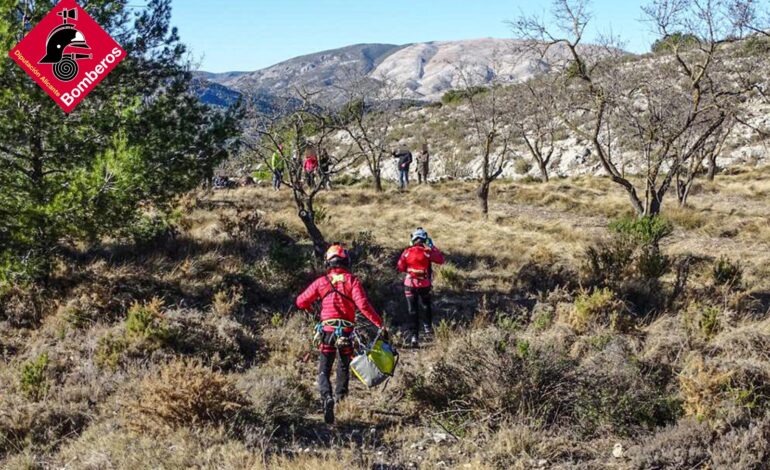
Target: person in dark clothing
x=404 y=157
x=423 y=165
x=324 y=162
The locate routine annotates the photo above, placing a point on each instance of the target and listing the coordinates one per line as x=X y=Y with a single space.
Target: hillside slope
x=425 y=70
x=184 y=351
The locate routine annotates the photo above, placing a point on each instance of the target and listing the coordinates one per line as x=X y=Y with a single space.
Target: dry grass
x=524 y=372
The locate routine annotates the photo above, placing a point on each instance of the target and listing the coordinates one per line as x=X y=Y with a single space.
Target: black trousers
x=325 y=365
x=418 y=302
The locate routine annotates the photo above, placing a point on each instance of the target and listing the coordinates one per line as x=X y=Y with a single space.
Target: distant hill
x=425 y=70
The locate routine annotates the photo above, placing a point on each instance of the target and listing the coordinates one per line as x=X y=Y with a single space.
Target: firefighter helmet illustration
x=62 y=38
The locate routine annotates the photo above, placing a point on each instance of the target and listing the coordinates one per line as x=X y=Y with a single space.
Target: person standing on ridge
x=416 y=261
x=423 y=164
x=404 y=157
x=340 y=293
x=278 y=164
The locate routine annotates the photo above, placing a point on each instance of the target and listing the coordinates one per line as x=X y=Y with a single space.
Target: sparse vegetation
x=146 y=328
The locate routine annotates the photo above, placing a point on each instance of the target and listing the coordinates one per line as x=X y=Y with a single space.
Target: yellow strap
x=337 y=322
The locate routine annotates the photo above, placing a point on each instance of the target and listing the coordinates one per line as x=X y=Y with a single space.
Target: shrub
x=109 y=351
x=513 y=379
x=645 y=231
x=243 y=225
x=277 y=398
x=685 y=445
x=219 y=342
x=146 y=323
x=755 y=46
x=544 y=276
x=702 y=387
x=444 y=331
x=602 y=308
x=709 y=322
x=34 y=384
x=229 y=302
x=542 y=317
x=21 y=306
x=185 y=393
x=458 y=96
x=522 y=166
x=675 y=41
x=631 y=262
x=450 y=276
x=727 y=273
x=149 y=230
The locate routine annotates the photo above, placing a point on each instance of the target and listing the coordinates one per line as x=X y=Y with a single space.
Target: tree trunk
x=712 y=171
x=319 y=242
x=543 y=171
x=653 y=207
x=377 y=180
x=483 y=195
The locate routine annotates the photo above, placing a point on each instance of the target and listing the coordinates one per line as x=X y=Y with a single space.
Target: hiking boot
x=427 y=330
x=329 y=410
x=414 y=342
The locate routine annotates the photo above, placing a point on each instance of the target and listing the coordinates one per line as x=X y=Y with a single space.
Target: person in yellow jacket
x=277 y=164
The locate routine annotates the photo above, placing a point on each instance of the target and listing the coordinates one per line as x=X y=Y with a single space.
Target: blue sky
x=251 y=34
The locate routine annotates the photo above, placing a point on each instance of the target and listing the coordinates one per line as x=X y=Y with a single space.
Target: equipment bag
x=375 y=365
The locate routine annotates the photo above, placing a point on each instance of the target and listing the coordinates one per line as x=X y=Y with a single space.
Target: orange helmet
x=337 y=257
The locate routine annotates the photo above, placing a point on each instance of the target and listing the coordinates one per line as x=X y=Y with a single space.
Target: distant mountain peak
x=426 y=70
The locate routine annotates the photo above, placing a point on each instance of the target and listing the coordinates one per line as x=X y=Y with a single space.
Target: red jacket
x=416 y=262
x=311 y=163
x=340 y=304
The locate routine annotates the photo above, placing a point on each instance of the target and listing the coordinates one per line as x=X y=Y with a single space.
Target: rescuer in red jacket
x=340 y=293
x=416 y=261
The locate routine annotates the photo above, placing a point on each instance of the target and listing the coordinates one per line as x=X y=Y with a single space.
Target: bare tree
x=750 y=16
x=487 y=119
x=663 y=114
x=373 y=109
x=536 y=120
x=708 y=152
x=289 y=134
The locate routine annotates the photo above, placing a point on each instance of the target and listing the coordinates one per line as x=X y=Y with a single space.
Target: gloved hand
x=383 y=334
x=430 y=243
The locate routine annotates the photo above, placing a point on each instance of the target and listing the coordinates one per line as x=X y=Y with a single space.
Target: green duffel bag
x=375 y=365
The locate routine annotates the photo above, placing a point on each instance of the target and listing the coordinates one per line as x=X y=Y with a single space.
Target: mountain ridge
x=425 y=71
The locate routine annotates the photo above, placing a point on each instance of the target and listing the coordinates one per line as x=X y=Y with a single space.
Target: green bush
x=632 y=253
x=675 y=41
x=643 y=230
x=149 y=230
x=146 y=323
x=109 y=351
x=727 y=273
x=601 y=307
x=34 y=384
x=709 y=322
x=458 y=96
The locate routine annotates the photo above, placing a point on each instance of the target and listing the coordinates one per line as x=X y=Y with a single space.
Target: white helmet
x=419 y=234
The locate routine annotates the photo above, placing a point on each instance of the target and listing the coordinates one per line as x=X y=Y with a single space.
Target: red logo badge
x=67 y=54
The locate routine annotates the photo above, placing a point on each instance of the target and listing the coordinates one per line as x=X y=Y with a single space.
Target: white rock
x=617 y=451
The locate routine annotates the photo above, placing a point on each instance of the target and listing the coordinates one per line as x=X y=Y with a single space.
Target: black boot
x=329 y=410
